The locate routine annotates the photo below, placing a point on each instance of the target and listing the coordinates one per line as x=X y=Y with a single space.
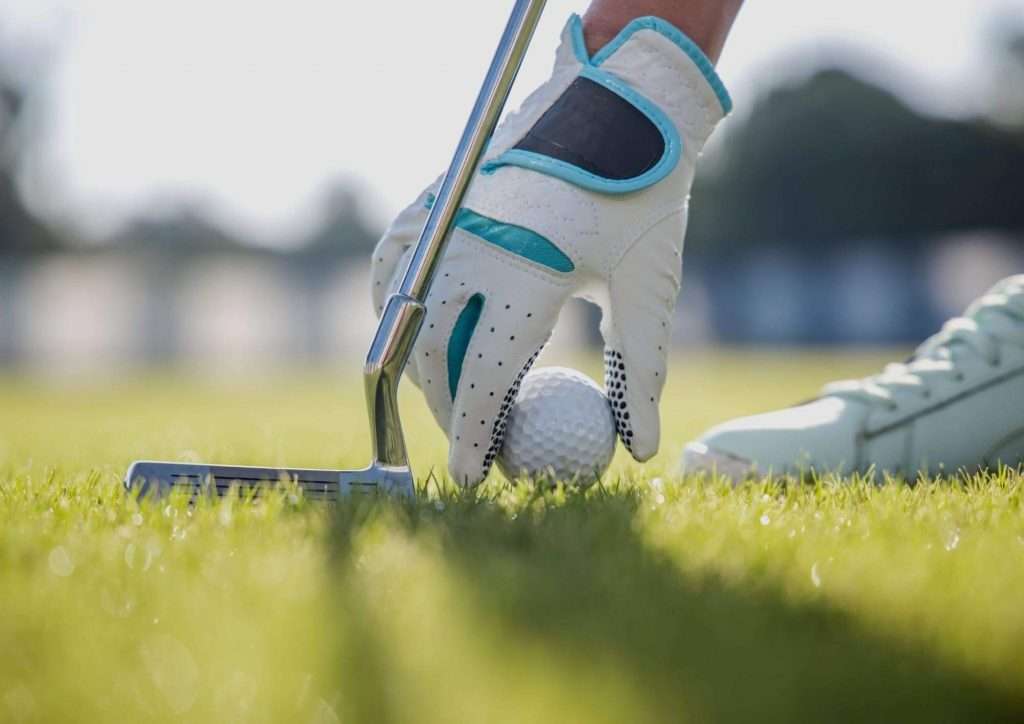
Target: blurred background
x=200 y=184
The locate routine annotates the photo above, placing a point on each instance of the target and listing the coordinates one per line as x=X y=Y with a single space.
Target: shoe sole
x=699 y=458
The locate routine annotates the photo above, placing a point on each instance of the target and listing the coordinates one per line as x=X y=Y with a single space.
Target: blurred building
x=78 y=312
x=832 y=213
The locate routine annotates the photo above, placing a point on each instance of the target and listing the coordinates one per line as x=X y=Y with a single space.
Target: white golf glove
x=583 y=193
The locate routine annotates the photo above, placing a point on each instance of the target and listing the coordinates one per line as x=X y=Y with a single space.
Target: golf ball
x=561 y=426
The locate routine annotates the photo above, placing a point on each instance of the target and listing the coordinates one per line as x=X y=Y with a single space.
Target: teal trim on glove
x=666 y=29
x=515 y=239
x=462 y=333
x=592 y=71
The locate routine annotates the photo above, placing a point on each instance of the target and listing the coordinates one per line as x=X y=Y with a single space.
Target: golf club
x=389 y=472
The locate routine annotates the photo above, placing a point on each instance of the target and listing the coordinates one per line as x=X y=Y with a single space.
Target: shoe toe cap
x=820 y=435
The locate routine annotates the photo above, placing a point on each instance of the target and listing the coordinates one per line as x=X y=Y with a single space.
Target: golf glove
x=583 y=192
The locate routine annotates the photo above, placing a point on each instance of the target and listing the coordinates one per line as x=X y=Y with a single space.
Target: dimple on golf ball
x=561 y=427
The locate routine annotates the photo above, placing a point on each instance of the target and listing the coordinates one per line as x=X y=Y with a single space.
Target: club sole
x=146 y=477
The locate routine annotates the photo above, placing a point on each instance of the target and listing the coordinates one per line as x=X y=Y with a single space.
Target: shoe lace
x=991 y=322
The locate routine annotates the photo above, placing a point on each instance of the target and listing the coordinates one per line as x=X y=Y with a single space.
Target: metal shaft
x=400 y=321
x=482 y=121
x=403 y=314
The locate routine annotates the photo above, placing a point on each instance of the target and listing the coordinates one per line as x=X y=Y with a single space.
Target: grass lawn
x=651 y=598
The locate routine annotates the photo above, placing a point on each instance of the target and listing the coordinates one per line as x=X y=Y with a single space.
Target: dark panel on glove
x=597 y=131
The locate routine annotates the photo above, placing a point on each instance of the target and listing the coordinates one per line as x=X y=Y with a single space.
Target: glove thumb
x=637 y=329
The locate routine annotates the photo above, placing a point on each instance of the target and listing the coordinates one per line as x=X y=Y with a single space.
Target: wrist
x=706 y=24
x=599 y=29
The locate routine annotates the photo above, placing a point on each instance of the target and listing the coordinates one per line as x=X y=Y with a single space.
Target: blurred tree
x=345 y=229
x=183 y=231
x=836 y=159
x=20 y=231
x=1008 y=78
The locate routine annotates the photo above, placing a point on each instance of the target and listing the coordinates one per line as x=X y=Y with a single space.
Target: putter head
x=145 y=478
x=378 y=479
x=400 y=319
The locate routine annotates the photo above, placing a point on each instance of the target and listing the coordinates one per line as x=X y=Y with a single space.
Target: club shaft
x=482 y=121
x=389 y=472
x=405 y=310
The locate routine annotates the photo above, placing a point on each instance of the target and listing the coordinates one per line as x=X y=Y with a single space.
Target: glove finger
x=637 y=329
x=388 y=263
x=490 y=380
x=488 y=314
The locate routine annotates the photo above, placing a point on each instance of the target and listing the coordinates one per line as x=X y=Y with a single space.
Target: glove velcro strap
x=600 y=135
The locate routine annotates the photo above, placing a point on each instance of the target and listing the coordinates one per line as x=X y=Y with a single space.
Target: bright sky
x=251 y=107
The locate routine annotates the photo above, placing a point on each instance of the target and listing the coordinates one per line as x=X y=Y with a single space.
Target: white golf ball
x=561 y=426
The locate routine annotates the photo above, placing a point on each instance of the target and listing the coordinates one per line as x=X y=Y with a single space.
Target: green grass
x=651 y=598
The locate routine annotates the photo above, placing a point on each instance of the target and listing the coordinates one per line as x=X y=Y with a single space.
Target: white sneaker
x=957 y=404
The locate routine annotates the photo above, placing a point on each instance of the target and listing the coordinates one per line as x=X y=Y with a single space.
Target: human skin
x=706 y=22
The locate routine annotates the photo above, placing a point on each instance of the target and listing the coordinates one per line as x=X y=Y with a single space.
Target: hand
x=583 y=193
